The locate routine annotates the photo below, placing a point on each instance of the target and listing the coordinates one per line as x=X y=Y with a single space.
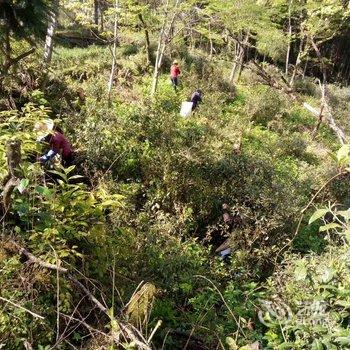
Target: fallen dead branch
x=22 y=308
x=123 y=330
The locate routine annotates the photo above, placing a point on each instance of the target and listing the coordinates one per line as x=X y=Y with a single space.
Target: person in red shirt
x=58 y=144
x=174 y=74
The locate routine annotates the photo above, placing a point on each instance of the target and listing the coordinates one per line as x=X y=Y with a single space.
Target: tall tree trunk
x=7 y=51
x=323 y=105
x=96 y=12
x=238 y=61
x=102 y=18
x=305 y=68
x=211 y=44
x=298 y=61
x=234 y=65
x=157 y=62
x=147 y=40
x=319 y=56
x=164 y=39
x=289 y=35
x=114 y=52
x=48 y=50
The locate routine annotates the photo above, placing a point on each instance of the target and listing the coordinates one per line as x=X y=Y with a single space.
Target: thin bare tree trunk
x=319 y=56
x=298 y=62
x=289 y=35
x=157 y=62
x=147 y=40
x=323 y=105
x=48 y=50
x=114 y=51
x=7 y=51
x=101 y=10
x=96 y=12
x=238 y=61
x=305 y=68
x=211 y=44
x=164 y=39
x=234 y=65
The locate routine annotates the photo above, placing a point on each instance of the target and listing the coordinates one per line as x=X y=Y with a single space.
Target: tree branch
x=127 y=330
x=21 y=56
x=22 y=308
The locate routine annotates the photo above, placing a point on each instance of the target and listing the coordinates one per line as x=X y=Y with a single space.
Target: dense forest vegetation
x=227 y=229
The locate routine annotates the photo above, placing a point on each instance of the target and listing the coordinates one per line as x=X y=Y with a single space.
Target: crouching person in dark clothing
x=196 y=98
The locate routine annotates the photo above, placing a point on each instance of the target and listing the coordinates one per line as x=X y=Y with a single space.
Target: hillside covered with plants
x=225 y=228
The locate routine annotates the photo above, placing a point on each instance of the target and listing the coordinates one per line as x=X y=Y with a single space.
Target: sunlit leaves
x=343 y=156
x=317 y=215
x=23 y=185
x=300 y=272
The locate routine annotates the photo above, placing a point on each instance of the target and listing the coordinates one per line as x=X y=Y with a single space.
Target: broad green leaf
x=231 y=343
x=345 y=214
x=328 y=345
x=329 y=227
x=343 y=154
x=286 y=345
x=343 y=303
x=23 y=185
x=346 y=234
x=317 y=215
x=327 y=275
x=110 y=202
x=62 y=175
x=317 y=345
x=70 y=169
x=300 y=272
x=76 y=177
x=343 y=340
x=44 y=191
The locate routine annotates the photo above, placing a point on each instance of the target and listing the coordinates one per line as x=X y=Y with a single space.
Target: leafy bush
x=310 y=296
x=264 y=104
x=306 y=86
x=314 y=296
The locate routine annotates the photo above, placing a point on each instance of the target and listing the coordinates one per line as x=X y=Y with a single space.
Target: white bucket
x=186 y=109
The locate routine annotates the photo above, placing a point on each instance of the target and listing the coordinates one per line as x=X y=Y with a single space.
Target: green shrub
x=293 y=145
x=264 y=104
x=306 y=86
x=309 y=306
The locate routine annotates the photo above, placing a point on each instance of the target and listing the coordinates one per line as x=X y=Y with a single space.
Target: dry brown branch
x=90 y=328
x=22 y=308
x=35 y=260
x=127 y=330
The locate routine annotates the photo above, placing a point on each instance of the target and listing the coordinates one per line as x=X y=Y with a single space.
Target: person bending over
x=58 y=143
x=196 y=98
